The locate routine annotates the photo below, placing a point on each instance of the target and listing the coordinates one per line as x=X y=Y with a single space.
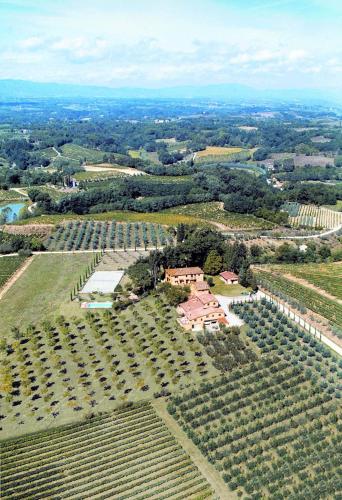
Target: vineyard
x=328 y=277
x=91 y=235
x=271 y=426
x=126 y=454
x=311 y=299
x=63 y=370
x=312 y=216
x=8 y=266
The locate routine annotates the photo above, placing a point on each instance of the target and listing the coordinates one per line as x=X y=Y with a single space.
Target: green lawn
x=43 y=290
x=221 y=288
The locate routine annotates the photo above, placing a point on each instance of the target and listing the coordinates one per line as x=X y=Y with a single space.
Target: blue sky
x=149 y=43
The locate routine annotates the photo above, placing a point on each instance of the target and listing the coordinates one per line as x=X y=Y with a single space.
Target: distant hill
x=22 y=89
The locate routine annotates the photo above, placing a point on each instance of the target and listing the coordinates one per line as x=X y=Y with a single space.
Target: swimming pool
x=12 y=210
x=96 y=305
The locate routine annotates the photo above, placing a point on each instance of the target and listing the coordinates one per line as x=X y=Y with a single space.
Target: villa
x=184 y=275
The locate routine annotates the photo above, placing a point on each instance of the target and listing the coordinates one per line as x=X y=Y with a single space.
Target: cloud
x=32 y=43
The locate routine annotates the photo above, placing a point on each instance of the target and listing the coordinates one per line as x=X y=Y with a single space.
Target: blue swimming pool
x=96 y=305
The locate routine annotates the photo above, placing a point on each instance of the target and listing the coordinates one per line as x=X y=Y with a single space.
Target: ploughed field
x=271 y=427
x=125 y=454
x=91 y=235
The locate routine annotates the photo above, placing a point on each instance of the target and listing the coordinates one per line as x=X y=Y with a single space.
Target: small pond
x=11 y=209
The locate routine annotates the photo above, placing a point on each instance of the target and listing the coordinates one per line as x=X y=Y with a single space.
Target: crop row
x=85 y=235
x=156 y=466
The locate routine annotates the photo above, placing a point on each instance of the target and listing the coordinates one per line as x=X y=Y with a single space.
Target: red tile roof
x=228 y=275
x=182 y=271
x=206 y=297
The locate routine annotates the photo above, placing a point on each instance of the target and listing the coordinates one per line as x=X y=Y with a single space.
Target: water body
x=12 y=210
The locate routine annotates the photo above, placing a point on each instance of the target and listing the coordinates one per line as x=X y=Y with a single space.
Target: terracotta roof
x=201 y=286
x=228 y=275
x=182 y=271
x=206 y=297
x=199 y=313
x=223 y=321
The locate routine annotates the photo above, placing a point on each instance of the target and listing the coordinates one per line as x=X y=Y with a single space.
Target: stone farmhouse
x=229 y=278
x=184 y=275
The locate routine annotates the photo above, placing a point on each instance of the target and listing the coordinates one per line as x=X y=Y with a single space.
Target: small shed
x=229 y=278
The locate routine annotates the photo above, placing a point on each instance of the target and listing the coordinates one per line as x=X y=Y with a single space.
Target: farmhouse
x=201 y=310
x=229 y=278
x=199 y=286
x=184 y=275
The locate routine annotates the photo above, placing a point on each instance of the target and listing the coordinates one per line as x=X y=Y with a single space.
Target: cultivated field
x=213 y=212
x=8 y=266
x=327 y=277
x=301 y=160
x=270 y=426
x=76 y=152
x=100 y=235
x=125 y=454
x=8 y=196
x=59 y=371
x=312 y=216
x=217 y=151
x=316 y=302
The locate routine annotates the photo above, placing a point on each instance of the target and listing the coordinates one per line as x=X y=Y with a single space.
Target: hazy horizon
x=282 y=44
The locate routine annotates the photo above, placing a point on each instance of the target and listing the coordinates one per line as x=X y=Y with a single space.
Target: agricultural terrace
x=312 y=216
x=8 y=266
x=309 y=298
x=214 y=212
x=60 y=371
x=270 y=426
x=327 y=277
x=125 y=454
x=10 y=195
x=100 y=235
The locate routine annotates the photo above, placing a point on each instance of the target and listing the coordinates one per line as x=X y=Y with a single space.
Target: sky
x=158 y=43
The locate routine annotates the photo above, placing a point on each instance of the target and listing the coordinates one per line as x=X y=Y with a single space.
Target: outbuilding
x=229 y=278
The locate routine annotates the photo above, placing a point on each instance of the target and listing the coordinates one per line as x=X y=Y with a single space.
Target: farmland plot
x=62 y=370
x=312 y=216
x=309 y=298
x=270 y=426
x=125 y=454
x=93 y=235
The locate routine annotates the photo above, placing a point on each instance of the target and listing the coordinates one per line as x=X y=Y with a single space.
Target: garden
x=92 y=235
x=124 y=454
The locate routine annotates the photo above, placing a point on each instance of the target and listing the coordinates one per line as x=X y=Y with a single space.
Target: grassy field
x=221 y=288
x=337 y=207
x=305 y=296
x=93 y=176
x=327 y=277
x=217 y=151
x=134 y=456
x=212 y=211
x=43 y=290
x=8 y=266
x=93 y=362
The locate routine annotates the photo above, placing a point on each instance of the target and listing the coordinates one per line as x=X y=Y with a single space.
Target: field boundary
x=19 y=272
x=207 y=470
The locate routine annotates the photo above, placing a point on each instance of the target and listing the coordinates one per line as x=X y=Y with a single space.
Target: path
x=311 y=236
x=107 y=250
x=15 y=276
x=20 y=191
x=207 y=470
